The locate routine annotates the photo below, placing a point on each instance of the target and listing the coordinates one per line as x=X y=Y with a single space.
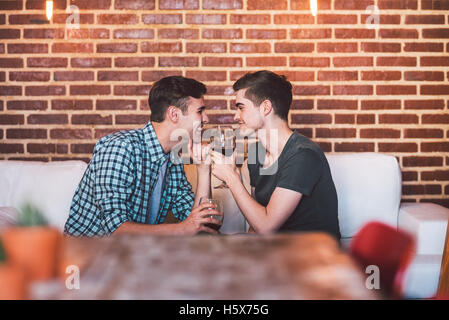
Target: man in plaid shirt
x=132 y=181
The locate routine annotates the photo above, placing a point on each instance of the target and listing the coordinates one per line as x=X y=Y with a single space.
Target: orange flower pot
x=34 y=249
x=13 y=285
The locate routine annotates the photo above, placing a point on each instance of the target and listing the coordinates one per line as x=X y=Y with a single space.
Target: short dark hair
x=266 y=85
x=173 y=91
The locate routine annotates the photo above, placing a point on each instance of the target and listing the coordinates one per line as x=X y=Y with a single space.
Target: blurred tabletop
x=237 y=267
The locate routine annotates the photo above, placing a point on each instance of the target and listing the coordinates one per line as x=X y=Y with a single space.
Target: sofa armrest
x=427 y=222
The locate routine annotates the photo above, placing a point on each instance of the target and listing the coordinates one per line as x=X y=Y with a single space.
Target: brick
x=311 y=33
x=73 y=76
x=423 y=76
x=337 y=75
x=89 y=90
x=27 y=105
x=436 y=61
x=178 y=61
x=43 y=33
x=352 y=90
x=424 y=19
x=381 y=104
x=141 y=90
x=398 y=33
x=2 y=79
x=435 y=90
x=134 y=62
x=205 y=19
x=424 y=47
x=45 y=91
x=132 y=119
x=298 y=75
x=380 y=133
x=156 y=75
x=192 y=47
x=398 y=118
x=419 y=161
x=435 y=4
x=118 y=76
x=68 y=134
x=133 y=34
x=335 y=133
x=100 y=133
x=421 y=189
x=27 y=19
x=2 y=19
x=11 y=147
x=72 y=48
x=381 y=75
x=91 y=62
x=337 y=105
x=162 y=18
x=178 y=4
x=116 y=47
x=311 y=90
x=383 y=19
x=398 y=4
x=29 y=76
x=91 y=4
x=222 y=62
x=305 y=4
x=42 y=148
x=309 y=62
x=62 y=18
x=440 y=33
x=293 y=47
x=381 y=47
x=266 y=61
x=76 y=104
x=302 y=104
x=47 y=119
x=435 y=118
x=396 y=61
x=135 y=4
x=27 y=48
x=207 y=75
x=395 y=90
x=121 y=19
x=47 y=62
x=10 y=91
x=216 y=104
x=116 y=105
x=398 y=147
x=11 y=5
x=222 y=4
x=336 y=19
x=251 y=18
x=337 y=47
x=353 y=61
x=423 y=133
x=294 y=19
x=437 y=175
x=423 y=104
x=222 y=34
x=352 y=4
x=365 y=119
x=9 y=33
x=178 y=33
x=266 y=34
x=26 y=133
x=435 y=147
x=82 y=148
x=354 y=33
x=409 y=176
x=305 y=118
x=161 y=47
x=344 y=119
x=267 y=5
x=354 y=147
x=100 y=33
x=91 y=119
x=11 y=119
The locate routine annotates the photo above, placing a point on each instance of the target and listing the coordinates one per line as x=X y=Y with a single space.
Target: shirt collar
x=156 y=151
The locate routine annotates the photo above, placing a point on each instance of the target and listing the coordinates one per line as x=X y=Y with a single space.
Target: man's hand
x=200 y=155
x=198 y=217
x=223 y=167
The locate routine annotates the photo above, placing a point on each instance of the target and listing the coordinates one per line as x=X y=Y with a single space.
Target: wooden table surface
x=300 y=266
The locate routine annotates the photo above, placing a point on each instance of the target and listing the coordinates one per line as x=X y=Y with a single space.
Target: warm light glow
x=49 y=9
x=313 y=7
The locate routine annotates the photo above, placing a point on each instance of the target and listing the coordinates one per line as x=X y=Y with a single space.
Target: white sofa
x=368 y=187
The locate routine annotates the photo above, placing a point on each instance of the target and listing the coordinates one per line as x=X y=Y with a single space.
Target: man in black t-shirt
x=291 y=183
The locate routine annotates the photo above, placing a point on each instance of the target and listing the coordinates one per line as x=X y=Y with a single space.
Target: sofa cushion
x=368 y=188
x=47 y=186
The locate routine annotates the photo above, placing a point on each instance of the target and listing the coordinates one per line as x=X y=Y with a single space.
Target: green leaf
x=2 y=252
x=31 y=216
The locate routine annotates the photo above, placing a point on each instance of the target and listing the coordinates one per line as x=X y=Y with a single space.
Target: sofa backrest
x=49 y=186
x=368 y=188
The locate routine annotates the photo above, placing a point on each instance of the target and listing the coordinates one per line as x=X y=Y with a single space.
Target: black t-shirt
x=302 y=167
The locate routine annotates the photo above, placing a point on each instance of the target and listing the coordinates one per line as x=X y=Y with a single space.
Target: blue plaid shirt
x=118 y=182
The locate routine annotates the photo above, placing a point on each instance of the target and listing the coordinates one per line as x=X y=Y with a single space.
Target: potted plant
x=12 y=279
x=32 y=244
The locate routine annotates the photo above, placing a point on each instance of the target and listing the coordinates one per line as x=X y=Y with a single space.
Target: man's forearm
x=203 y=188
x=157 y=229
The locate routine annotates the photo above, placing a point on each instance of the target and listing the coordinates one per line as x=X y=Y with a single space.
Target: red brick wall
x=356 y=89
